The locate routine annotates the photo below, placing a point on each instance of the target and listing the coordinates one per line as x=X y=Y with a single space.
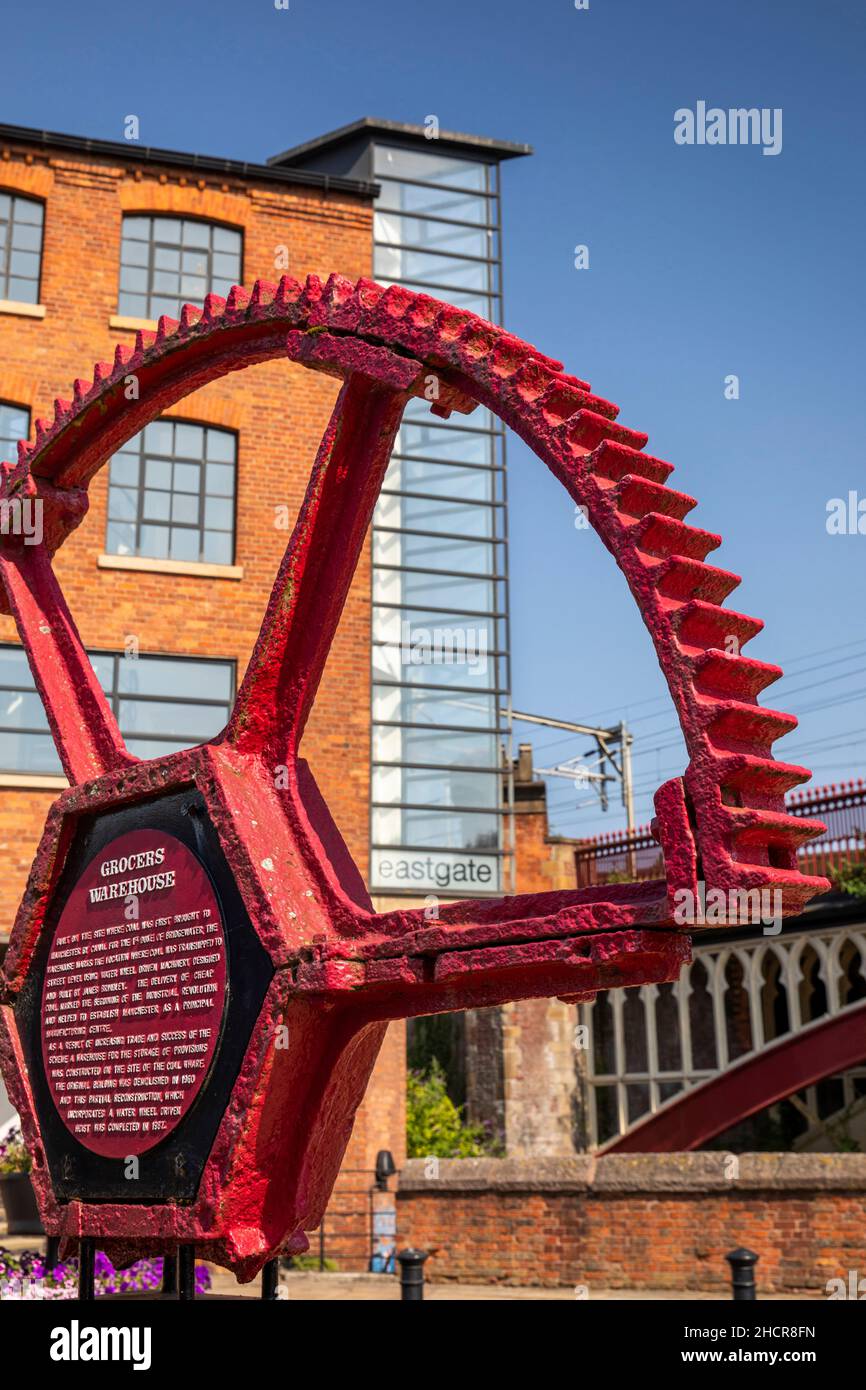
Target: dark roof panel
x=477 y=145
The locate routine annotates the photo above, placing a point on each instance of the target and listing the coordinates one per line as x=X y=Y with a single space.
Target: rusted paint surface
x=341 y=969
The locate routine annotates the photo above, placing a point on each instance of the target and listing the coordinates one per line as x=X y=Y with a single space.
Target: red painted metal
x=842 y=841
x=343 y=970
x=788 y=1064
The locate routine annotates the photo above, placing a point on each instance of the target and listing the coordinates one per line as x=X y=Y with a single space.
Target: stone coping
x=652 y=1173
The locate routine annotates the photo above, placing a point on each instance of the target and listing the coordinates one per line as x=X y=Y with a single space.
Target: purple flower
x=61 y=1281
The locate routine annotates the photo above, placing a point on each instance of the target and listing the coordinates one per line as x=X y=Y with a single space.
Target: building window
x=172 y=494
x=166 y=262
x=21 y=221
x=436 y=227
x=162 y=704
x=14 y=426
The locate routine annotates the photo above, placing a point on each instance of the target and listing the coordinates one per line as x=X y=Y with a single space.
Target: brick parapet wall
x=642 y=1221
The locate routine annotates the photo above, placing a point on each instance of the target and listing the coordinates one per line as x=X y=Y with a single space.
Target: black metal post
x=271 y=1279
x=186 y=1272
x=742 y=1264
x=86 y=1270
x=169 y=1274
x=52 y=1251
x=412 y=1275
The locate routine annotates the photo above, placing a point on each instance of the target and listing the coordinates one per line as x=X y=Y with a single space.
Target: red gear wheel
x=342 y=970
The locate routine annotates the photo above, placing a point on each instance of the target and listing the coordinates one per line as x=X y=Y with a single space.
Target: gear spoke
x=307 y=599
x=83 y=727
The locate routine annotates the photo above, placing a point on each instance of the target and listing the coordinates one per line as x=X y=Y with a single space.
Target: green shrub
x=435 y=1127
x=14 y=1157
x=311 y=1262
x=851 y=878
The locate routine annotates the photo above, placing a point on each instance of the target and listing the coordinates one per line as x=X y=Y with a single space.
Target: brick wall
x=648 y=1221
x=545 y=862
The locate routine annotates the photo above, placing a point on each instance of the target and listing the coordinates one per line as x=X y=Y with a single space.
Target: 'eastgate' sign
x=465 y=875
x=134 y=992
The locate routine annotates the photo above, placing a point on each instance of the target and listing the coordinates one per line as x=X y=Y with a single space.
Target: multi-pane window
x=171 y=494
x=162 y=704
x=436 y=227
x=166 y=262
x=14 y=426
x=21 y=222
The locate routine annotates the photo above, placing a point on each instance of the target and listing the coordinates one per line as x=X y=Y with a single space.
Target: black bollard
x=742 y=1264
x=169 y=1275
x=186 y=1272
x=86 y=1270
x=271 y=1279
x=412 y=1275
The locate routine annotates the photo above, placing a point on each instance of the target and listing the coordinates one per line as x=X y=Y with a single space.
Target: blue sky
x=704 y=262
